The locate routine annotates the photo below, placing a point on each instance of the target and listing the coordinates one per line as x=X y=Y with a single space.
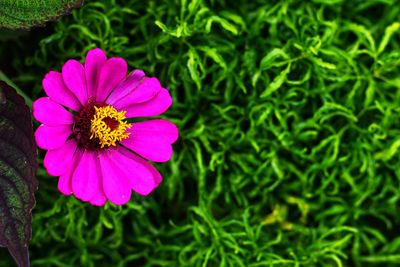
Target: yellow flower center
x=108 y=126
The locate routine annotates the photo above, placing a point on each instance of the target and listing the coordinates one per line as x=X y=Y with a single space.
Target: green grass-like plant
x=289 y=123
x=15 y=14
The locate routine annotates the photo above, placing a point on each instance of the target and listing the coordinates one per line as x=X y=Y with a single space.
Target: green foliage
x=17 y=174
x=27 y=13
x=289 y=134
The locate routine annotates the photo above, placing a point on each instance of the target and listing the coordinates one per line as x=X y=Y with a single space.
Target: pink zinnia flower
x=96 y=153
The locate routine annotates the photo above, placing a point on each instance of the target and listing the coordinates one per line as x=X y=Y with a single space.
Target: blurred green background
x=289 y=123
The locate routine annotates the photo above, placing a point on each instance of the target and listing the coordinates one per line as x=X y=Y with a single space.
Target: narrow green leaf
x=194 y=6
x=389 y=31
x=225 y=24
x=329 y=110
x=270 y=58
x=370 y=92
x=193 y=64
x=214 y=55
x=17 y=174
x=364 y=33
x=382 y=258
x=387 y=154
x=277 y=82
x=323 y=64
x=162 y=26
x=16 y=14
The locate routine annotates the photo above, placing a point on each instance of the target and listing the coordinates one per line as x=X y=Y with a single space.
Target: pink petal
x=145 y=91
x=50 y=113
x=126 y=87
x=85 y=178
x=116 y=186
x=112 y=73
x=99 y=199
x=156 y=106
x=142 y=176
x=51 y=137
x=58 y=161
x=73 y=75
x=53 y=85
x=152 y=139
x=95 y=59
x=64 y=182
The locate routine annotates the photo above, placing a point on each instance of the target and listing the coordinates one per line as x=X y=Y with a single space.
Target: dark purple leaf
x=17 y=174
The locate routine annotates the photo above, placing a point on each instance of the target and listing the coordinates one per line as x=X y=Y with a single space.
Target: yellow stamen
x=109 y=136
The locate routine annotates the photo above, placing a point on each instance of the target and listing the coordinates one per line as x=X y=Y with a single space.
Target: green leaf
x=193 y=65
x=214 y=55
x=268 y=61
x=225 y=24
x=323 y=64
x=389 y=153
x=276 y=83
x=329 y=110
x=17 y=14
x=361 y=31
x=17 y=174
x=388 y=34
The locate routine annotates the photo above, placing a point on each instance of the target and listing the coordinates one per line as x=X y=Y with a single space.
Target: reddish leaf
x=17 y=174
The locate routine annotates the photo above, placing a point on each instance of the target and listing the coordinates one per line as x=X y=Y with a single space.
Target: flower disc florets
x=99 y=126
x=108 y=126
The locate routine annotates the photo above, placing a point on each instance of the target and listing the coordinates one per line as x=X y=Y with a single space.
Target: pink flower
x=96 y=153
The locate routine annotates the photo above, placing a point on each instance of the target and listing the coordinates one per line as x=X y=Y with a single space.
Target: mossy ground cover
x=289 y=118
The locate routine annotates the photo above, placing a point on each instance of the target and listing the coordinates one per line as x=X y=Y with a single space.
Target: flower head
x=97 y=154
